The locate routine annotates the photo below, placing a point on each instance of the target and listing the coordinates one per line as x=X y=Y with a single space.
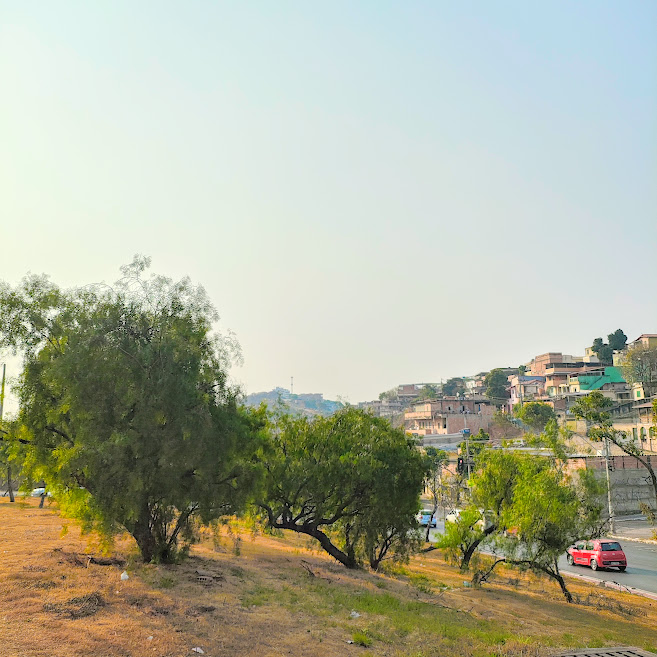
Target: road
x=641 y=570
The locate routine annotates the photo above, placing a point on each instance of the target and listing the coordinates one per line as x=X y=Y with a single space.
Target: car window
x=589 y=546
x=609 y=547
x=580 y=546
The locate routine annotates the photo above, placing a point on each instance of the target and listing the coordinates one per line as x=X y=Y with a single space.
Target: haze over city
x=371 y=193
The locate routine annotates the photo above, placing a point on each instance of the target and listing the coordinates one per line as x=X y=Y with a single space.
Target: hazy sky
x=372 y=193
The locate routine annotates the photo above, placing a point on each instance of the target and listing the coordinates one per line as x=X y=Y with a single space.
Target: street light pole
x=609 y=505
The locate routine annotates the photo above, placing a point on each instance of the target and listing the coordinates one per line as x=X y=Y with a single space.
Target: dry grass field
x=266 y=596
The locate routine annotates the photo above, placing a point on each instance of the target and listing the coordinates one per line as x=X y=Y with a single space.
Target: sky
x=372 y=193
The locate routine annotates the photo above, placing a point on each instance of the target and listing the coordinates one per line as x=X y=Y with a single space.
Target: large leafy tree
x=549 y=511
x=536 y=415
x=640 y=366
x=496 y=383
x=125 y=395
x=594 y=408
x=350 y=481
x=454 y=386
x=491 y=493
x=617 y=340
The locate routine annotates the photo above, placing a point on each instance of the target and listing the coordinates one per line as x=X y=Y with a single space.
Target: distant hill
x=305 y=404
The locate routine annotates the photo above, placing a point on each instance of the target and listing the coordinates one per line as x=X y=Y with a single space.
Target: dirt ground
x=241 y=594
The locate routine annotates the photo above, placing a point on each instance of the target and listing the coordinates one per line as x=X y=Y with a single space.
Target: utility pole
x=612 y=522
x=466 y=435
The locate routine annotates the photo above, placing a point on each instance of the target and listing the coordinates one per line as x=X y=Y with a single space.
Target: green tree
x=536 y=415
x=388 y=394
x=428 y=391
x=603 y=351
x=594 y=408
x=496 y=383
x=454 y=387
x=125 y=395
x=437 y=461
x=549 y=511
x=492 y=487
x=617 y=340
x=639 y=366
x=350 y=481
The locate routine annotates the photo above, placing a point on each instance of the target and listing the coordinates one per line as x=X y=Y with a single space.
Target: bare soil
x=244 y=594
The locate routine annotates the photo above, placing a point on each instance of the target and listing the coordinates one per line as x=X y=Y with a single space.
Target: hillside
x=308 y=404
x=265 y=596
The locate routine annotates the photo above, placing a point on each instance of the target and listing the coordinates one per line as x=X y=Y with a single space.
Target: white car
x=455 y=514
x=38 y=492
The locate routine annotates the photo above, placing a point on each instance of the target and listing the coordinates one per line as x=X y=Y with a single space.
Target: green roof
x=592 y=382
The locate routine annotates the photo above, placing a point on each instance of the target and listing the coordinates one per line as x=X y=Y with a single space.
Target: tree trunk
x=472 y=548
x=10 y=490
x=142 y=533
x=346 y=558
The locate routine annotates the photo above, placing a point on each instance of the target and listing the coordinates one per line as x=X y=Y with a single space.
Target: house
x=609 y=380
x=524 y=388
x=448 y=415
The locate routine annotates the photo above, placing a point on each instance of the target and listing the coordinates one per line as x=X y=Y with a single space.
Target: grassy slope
x=278 y=597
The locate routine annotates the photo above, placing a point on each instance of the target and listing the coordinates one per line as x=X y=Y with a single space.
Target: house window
x=643 y=433
x=634 y=433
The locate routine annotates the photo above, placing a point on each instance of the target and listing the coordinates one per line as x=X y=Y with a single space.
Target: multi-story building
x=448 y=415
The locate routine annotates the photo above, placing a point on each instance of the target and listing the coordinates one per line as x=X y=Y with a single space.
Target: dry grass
x=281 y=597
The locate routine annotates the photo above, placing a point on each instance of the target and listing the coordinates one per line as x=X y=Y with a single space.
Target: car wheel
x=622 y=568
x=570 y=560
x=594 y=564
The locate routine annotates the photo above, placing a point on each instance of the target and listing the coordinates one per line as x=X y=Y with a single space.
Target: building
x=524 y=388
x=448 y=415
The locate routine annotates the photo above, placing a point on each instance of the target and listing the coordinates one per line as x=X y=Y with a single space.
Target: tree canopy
x=594 y=408
x=496 y=383
x=454 y=386
x=350 y=481
x=125 y=396
x=536 y=415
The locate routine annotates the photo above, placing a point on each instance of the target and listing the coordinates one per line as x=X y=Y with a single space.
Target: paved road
x=641 y=570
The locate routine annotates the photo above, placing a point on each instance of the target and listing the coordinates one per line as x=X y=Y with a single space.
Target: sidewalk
x=634 y=528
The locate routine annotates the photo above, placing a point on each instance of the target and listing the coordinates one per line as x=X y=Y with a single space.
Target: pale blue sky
x=372 y=193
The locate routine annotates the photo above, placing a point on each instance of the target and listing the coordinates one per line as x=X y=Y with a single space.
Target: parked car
x=455 y=514
x=599 y=553
x=38 y=492
x=426 y=518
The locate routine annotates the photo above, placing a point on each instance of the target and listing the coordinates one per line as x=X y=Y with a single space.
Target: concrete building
x=448 y=415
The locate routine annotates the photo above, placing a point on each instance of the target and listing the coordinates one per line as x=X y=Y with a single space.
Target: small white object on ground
x=149 y=638
x=198 y=650
x=124 y=576
x=354 y=614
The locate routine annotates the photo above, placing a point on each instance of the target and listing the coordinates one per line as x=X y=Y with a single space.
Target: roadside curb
x=610 y=584
x=619 y=537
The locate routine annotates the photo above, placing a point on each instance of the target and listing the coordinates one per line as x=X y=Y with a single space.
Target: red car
x=600 y=553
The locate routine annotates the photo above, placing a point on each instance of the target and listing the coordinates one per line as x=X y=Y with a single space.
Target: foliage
x=13 y=438
x=350 y=481
x=605 y=352
x=639 y=365
x=549 y=511
x=617 y=340
x=536 y=415
x=496 y=383
x=388 y=394
x=492 y=487
x=437 y=460
x=428 y=391
x=454 y=387
x=594 y=408
x=125 y=395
